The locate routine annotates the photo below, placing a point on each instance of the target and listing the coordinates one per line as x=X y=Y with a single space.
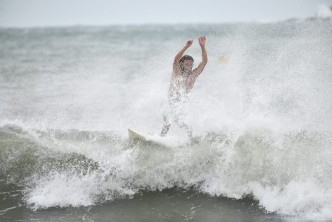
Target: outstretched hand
x=189 y=43
x=202 y=40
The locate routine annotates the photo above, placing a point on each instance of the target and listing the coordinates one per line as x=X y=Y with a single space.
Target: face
x=187 y=65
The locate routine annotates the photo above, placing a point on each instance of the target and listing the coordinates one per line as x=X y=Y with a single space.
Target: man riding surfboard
x=182 y=81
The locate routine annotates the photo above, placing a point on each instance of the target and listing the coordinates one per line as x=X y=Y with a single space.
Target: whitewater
x=261 y=115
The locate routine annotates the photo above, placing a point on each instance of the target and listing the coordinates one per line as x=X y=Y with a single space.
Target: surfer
x=182 y=81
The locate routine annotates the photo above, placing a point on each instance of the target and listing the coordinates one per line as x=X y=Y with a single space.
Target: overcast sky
x=22 y=13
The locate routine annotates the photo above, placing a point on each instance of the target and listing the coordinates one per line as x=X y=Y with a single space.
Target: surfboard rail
x=134 y=135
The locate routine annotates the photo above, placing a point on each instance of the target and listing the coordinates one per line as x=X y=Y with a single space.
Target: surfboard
x=149 y=141
x=134 y=135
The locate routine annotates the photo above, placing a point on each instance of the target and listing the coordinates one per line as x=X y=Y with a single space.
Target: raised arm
x=201 y=66
x=176 y=64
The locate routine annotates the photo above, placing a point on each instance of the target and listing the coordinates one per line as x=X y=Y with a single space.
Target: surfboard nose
x=134 y=135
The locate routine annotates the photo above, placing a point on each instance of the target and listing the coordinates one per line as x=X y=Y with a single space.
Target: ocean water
x=262 y=124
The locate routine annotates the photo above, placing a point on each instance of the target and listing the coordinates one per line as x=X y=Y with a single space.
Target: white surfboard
x=155 y=141
x=134 y=135
x=161 y=142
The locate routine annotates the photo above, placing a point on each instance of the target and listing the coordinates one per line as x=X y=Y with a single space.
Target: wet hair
x=183 y=58
x=186 y=57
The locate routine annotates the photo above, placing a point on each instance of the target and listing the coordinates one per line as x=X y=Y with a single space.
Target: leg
x=166 y=126
x=165 y=129
x=188 y=130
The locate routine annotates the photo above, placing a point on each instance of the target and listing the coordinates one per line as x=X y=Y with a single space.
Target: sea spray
x=261 y=121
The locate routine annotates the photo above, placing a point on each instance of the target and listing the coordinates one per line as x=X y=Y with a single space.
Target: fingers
x=201 y=38
x=189 y=43
x=201 y=41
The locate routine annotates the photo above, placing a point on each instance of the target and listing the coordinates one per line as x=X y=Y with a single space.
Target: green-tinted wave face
x=82 y=168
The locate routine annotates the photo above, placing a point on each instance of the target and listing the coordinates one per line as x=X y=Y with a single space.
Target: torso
x=180 y=86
